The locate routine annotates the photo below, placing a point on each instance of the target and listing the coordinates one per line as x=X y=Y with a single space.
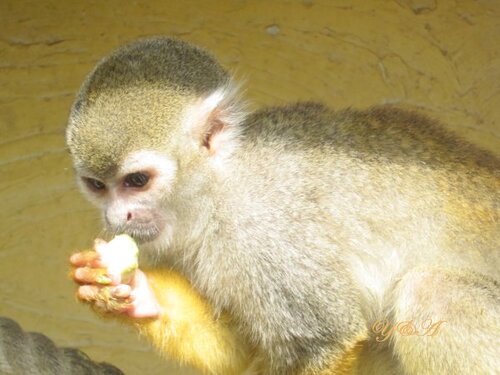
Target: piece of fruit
x=120 y=257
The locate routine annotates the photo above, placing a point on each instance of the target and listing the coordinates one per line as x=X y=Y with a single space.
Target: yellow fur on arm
x=187 y=330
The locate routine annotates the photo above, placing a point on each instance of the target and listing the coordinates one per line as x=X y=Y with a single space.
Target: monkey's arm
x=169 y=312
x=187 y=330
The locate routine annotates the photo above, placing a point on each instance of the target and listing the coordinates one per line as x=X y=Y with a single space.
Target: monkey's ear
x=213 y=121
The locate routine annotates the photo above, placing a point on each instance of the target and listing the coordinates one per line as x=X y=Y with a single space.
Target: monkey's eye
x=137 y=179
x=95 y=184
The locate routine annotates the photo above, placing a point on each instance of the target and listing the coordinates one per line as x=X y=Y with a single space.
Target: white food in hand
x=119 y=256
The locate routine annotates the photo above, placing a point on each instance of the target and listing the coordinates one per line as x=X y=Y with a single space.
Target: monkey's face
x=143 y=155
x=134 y=198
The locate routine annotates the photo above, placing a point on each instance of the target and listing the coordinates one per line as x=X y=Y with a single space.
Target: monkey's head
x=147 y=120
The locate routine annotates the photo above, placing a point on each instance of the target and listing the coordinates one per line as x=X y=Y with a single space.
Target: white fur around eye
x=164 y=167
x=93 y=197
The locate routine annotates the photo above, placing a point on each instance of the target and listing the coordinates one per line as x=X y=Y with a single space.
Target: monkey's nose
x=129 y=216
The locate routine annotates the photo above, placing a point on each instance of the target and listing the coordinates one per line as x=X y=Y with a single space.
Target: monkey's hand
x=185 y=327
x=109 y=292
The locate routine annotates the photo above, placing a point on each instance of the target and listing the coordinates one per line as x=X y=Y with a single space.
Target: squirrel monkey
x=276 y=242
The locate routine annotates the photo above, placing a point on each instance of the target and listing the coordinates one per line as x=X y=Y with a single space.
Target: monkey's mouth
x=143 y=233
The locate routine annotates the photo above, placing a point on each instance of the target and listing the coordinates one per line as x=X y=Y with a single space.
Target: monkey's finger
x=94 y=292
x=106 y=299
x=88 y=293
x=122 y=291
x=85 y=258
x=87 y=275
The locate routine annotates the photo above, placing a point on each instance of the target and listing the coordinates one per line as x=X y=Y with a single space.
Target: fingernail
x=79 y=273
x=121 y=291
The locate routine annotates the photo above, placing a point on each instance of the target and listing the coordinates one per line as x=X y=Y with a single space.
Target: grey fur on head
x=159 y=62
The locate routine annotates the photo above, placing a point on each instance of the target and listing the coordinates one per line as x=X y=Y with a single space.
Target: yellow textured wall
x=440 y=56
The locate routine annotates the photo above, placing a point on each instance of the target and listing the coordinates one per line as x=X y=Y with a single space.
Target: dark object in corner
x=31 y=353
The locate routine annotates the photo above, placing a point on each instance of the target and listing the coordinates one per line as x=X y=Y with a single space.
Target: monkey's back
x=386 y=133
x=394 y=179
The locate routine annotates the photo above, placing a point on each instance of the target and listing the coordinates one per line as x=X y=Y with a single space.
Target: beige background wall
x=442 y=57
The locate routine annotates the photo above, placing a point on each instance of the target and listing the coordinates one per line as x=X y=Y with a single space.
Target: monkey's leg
x=456 y=314
x=35 y=354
